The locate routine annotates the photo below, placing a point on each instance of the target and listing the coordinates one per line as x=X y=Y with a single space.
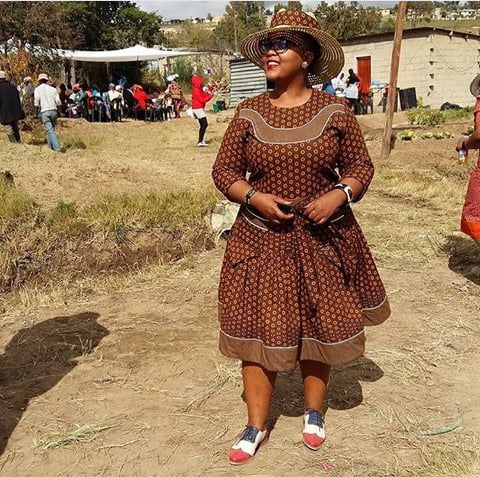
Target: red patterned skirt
x=470 y=223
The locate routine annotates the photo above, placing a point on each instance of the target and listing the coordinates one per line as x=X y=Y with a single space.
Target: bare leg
x=258 y=384
x=315 y=380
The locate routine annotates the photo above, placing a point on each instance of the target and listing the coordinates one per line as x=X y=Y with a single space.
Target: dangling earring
x=305 y=65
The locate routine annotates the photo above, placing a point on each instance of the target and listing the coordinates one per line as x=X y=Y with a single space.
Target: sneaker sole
x=312 y=447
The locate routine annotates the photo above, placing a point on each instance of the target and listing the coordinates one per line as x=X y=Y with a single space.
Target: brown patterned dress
x=297 y=291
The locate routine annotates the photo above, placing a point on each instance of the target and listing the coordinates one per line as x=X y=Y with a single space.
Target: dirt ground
x=120 y=158
x=130 y=382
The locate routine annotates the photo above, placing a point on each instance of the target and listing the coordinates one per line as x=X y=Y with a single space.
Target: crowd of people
x=353 y=89
x=115 y=102
x=119 y=101
x=47 y=102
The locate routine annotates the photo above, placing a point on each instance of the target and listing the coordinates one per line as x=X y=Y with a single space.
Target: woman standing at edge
x=470 y=223
x=199 y=99
x=298 y=282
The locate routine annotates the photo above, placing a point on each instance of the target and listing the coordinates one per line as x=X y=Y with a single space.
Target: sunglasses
x=279 y=45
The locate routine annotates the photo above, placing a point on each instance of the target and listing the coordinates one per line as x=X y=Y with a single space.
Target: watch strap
x=249 y=195
x=347 y=190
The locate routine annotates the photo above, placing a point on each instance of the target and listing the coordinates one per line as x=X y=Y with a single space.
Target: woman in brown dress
x=298 y=282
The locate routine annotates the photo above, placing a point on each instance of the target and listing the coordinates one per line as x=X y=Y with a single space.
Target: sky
x=181 y=9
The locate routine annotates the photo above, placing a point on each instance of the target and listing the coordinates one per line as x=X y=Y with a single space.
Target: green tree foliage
x=278 y=7
x=184 y=68
x=39 y=28
x=110 y=25
x=32 y=24
x=346 y=21
x=387 y=24
x=31 y=30
x=135 y=26
x=288 y=6
x=195 y=36
x=295 y=6
x=447 y=6
x=419 y=11
x=241 y=19
x=93 y=23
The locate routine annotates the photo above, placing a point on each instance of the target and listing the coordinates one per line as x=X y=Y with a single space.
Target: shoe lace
x=314 y=417
x=249 y=434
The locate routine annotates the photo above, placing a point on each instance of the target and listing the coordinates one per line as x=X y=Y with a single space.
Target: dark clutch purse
x=298 y=206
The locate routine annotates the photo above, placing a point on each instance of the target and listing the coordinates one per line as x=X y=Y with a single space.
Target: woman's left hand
x=321 y=209
x=461 y=145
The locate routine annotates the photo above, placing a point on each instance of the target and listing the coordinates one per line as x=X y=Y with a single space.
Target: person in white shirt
x=351 y=91
x=339 y=84
x=47 y=101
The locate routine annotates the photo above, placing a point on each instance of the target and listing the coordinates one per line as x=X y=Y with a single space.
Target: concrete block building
x=438 y=63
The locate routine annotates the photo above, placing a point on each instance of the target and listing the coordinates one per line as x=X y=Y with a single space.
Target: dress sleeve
x=231 y=163
x=476 y=116
x=354 y=160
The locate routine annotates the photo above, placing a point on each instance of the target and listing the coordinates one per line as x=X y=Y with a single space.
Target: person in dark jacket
x=200 y=97
x=10 y=108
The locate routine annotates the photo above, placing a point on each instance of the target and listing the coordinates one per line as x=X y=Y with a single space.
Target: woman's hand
x=321 y=209
x=267 y=206
x=461 y=145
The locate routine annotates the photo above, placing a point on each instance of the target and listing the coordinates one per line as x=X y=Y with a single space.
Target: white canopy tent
x=134 y=53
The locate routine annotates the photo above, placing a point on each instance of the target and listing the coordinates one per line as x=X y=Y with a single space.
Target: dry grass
x=64 y=435
x=446 y=458
x=68 y=241
x=228 y=370
x=410 y=214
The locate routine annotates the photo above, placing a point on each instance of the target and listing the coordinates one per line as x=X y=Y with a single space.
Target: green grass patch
x=173 y=210
x=434 y=117
x=117 y=232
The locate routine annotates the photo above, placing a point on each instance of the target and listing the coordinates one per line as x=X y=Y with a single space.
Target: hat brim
x=475 y=86
x=327 y=66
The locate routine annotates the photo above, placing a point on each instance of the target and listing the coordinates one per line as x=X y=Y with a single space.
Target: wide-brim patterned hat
x=327 y=66
x=475 y=86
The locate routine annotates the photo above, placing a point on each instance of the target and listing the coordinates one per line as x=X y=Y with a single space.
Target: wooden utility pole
x=235 y=29
x=392 y=85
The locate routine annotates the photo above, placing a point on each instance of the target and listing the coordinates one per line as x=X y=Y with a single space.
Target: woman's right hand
x=267 y=206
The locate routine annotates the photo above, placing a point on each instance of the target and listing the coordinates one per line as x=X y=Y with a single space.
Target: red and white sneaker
x=247 y=445
x=313 y=430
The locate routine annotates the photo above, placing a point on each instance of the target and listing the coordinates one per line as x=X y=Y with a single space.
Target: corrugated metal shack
x=246 y=80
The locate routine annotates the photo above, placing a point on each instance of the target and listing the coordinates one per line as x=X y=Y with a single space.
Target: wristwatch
x=249 y=195
x=347 y=190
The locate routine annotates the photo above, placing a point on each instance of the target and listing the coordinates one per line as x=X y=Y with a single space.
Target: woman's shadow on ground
x=344 y=389
x=37 y=358
x=463 y=257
